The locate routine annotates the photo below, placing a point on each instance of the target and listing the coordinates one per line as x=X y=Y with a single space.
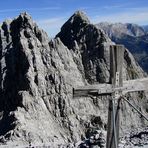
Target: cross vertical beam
x=116 y=89
x=116 y=64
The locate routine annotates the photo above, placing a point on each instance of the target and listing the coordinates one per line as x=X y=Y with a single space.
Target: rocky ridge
x=118 y=29
x=132 y=36
x=37 y=76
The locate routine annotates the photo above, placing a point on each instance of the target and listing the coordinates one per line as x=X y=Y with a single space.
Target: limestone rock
x=90 y=49
x=37 y=76
x=88 y=46
x=134 y=37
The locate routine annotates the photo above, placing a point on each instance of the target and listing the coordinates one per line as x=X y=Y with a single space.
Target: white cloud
x=29 y=9
x=133 y=16
x=9 y=10
x=115 y=6
x=51 y=21
x=52 y=26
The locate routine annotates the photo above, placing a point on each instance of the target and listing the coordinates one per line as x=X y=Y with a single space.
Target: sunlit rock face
x=37 y=76
x=134 y=37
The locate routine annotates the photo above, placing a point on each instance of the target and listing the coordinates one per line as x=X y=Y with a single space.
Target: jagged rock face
x=37 y=76
x=88 y=45
x=132 y=36
x=91 y=47
x=32 y=92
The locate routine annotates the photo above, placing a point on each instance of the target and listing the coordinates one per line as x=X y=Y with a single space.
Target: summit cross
x=116 y=89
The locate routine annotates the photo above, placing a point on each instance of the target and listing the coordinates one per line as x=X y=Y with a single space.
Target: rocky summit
x=37 y=76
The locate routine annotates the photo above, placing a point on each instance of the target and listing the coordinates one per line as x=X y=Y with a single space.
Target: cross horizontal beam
x=104 y=89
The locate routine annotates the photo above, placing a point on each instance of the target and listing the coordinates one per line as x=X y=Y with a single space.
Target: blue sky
x=51 y=14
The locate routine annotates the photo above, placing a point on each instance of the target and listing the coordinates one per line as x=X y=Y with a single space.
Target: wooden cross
x=117 y=88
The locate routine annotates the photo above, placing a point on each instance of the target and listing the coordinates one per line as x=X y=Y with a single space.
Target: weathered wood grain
x=104 y=89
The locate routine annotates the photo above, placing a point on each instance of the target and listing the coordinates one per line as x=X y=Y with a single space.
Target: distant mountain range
x=145 y=28
x=134 y=37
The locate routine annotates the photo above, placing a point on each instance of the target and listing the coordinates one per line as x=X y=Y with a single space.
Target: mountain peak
x=25 y=14
x=73 y=27
x=119 y=28
x=81 y=15
x=78 y=19
x=24 y=20
x=132 y=36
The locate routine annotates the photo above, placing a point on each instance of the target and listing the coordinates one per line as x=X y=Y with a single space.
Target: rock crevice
x=37 y=76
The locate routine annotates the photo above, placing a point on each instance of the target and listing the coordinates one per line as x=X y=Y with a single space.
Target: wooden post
x=116 y=89
x=116 y=64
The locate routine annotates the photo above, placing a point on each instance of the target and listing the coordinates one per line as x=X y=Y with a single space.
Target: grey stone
x=133 y=36
x=37 y=75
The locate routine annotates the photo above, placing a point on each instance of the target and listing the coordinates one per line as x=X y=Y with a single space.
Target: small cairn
x=95 y=140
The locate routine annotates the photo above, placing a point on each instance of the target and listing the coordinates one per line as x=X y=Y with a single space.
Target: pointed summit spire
x=25 y=15
x=24 y=19
x=72 y=28
x=81 y=15
x=77 y=20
